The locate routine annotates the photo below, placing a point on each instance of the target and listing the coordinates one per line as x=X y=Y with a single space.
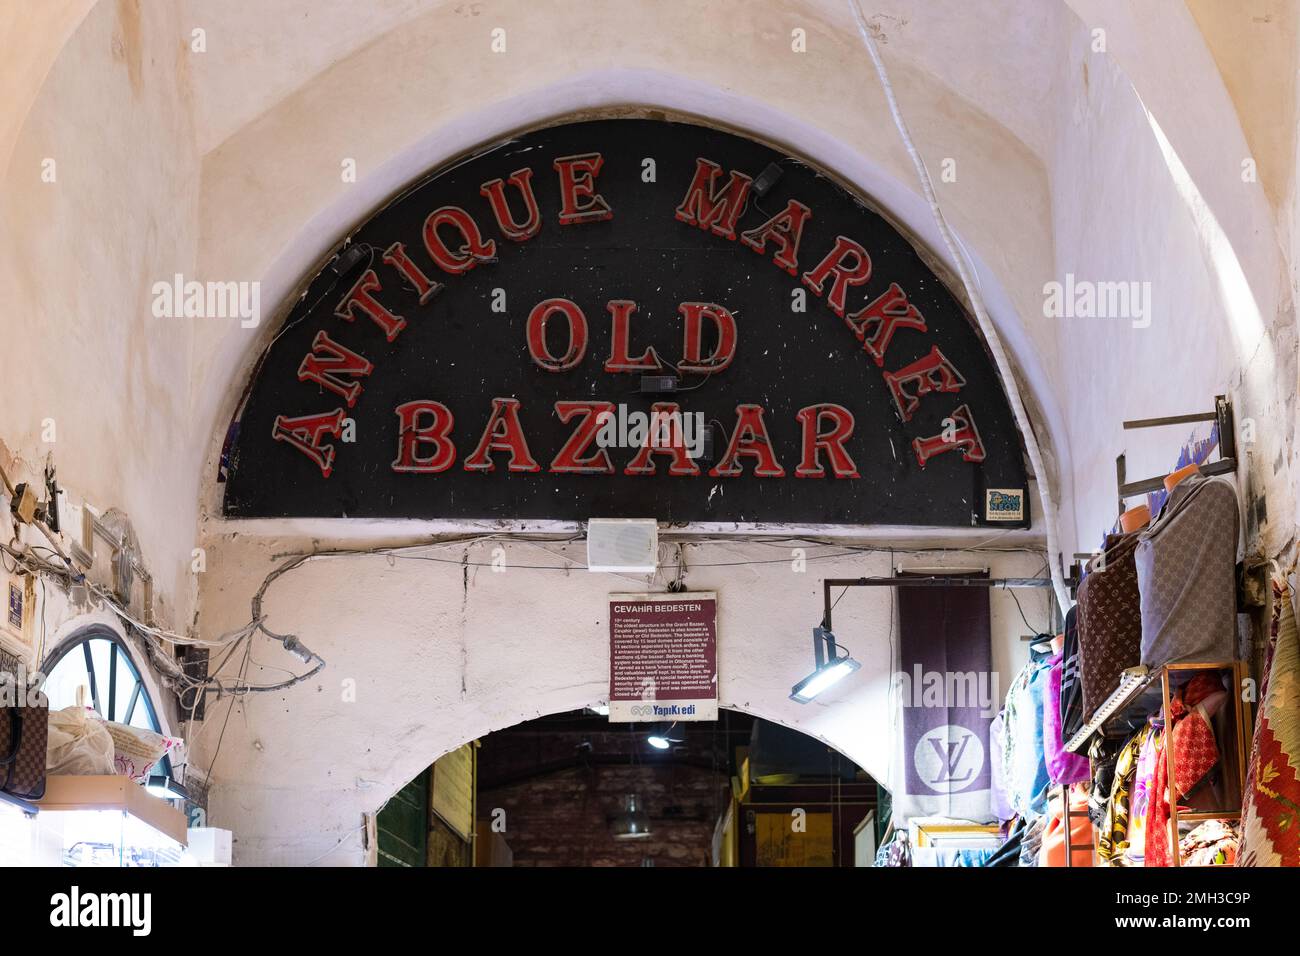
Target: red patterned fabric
x=1271 y=809
x=1195 y=754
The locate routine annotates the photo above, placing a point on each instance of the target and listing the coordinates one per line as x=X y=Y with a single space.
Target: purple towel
x=1062 y=766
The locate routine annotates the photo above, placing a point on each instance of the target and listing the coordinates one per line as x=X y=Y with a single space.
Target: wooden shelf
x=1198 y=816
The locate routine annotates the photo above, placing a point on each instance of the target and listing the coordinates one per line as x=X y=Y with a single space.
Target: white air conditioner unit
x=623 y=544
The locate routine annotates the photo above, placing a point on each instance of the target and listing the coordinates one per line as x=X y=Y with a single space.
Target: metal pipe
x=935 y=581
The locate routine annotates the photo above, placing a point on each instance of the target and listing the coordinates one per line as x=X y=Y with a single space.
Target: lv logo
x=950 y=755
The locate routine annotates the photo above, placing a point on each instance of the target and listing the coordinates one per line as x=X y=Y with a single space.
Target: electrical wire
x=991 y=337
x=1019 y=608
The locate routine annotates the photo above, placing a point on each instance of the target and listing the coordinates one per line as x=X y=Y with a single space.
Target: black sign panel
x=478 y=350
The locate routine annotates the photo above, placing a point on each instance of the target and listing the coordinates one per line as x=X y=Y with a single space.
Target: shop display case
x=107 y=821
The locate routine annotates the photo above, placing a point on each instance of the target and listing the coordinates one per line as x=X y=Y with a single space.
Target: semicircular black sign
x=628 y=318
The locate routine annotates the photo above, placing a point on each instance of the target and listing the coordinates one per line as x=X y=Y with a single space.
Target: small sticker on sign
x=1004 y=504
x=15 y=605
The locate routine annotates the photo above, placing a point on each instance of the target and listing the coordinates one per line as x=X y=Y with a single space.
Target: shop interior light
x=830 y=669
x=633 y=823
x=664 y=737
x=166 y=788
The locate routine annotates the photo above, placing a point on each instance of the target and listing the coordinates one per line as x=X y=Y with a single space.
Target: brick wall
x=559 y=795
x=562 y=818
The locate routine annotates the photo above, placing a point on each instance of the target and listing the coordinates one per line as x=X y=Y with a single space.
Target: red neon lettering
x=710 y=208
x=786 y=228
x=502 y=433
x=750 y=438
x=537 y=348
x=495 y=191
x=959 y=432
x=620 y=336
x=931 y=373
x=411 y=435
x=579 y=201
x=693 y=334
x=849 y=263
x=474 y=249
x=669 y=415
x=359 y=297
x=573 y=458
x=328 y=369
x=305 y=434
x=831 y=441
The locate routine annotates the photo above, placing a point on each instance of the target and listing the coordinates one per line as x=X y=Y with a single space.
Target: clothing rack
x=1070 y=845
x=1227 y=463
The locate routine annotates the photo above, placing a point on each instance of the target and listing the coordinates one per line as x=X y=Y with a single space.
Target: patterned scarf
x=1112 y=838
x=1195 y=754
x=1271 y=813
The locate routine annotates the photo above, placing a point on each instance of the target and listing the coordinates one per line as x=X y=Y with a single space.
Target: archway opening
x=575 y=789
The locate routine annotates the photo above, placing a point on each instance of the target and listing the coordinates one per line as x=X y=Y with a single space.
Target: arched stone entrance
x=444 y=613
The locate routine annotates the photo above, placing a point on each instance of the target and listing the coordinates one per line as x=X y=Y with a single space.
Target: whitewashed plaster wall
x=1143 y=161
x=438 y=653
x=85 y=362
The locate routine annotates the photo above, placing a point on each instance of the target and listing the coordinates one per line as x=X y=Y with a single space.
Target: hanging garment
x=1195 y=754
x=1016 y=695
x=999 y=795
x=1052 y=852
x=1029 y=780
x=1033 y=840
x=950 y=856
x=1186 y=569
x=1144 y=781
x=1103 y=753
x=1071 y=697
x=1008 y=854
x=1270 y=833
x=1063 y=767
x=1112 y=836
x=895 y=852
x=1109 y=621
